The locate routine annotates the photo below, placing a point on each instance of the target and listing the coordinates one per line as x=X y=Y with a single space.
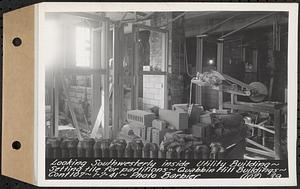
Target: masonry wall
x=178 y=89
x=81 y=99
x=176 y=68
x=153 y=91
x=153 y=85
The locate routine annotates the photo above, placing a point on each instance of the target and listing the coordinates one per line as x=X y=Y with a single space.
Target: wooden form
x=278 y=110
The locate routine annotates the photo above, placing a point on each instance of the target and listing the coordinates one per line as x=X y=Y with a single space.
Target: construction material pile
x=186 y=130
x=210 y=78
x=226 y=126
x=179 y=141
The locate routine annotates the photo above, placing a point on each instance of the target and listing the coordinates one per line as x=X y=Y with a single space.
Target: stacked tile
x=140 y=120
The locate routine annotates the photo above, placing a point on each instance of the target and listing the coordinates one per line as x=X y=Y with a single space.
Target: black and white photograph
x=173 y=94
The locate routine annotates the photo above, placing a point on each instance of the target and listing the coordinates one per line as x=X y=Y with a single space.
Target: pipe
x=245 y=26
x=216 y=26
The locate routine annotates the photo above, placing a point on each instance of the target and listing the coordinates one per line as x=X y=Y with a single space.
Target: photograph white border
x=43 y=8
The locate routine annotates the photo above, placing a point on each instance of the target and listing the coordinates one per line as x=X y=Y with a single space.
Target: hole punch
x=17 y=41
x=16 y=145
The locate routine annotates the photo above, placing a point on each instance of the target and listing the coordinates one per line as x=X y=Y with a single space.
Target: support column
x=105 y=62
x=277 y=135
x=220 y=69
x=117 y=79
x=135 y=71
x=55 y=105
x=199 y=66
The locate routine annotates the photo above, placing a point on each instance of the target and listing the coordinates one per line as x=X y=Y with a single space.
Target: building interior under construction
x=176 y=82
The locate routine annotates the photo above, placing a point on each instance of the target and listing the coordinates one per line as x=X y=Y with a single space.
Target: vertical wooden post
x=220 y=69
x=96 y=78
x=117 y=80
x=276 y=33
x=56 y=104
x=277 y=135
x=232 y=99
x=51 y=97
x=105 y=62
x=165 y=67
x=254 y=62
x=135 y=73
x=199 y=65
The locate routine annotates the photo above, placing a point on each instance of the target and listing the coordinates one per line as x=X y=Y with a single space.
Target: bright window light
x=83 y=46
x=51 y=43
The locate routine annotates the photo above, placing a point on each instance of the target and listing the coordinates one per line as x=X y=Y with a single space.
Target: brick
x=177 y=119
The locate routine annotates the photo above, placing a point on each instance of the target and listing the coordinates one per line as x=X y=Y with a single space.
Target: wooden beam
x=261 y=127
x=83 y=71
x=259 y=145
x=261 y=152
x=155 y=29
x=100 y=117
x=253 y=107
